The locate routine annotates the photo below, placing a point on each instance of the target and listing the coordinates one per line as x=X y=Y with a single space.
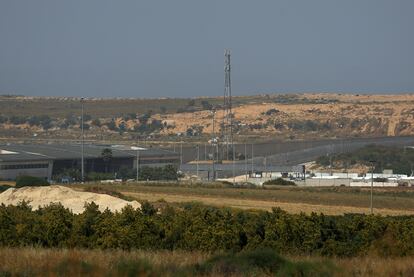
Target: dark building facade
x=47 y=160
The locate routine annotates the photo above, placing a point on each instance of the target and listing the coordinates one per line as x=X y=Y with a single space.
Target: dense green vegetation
x=168 y=173
x=146 y=173
x=30 y=181
x=259 y=261
x=196 y=227
x=4 y=187
x=400 y=160
x=279 y=182
x=81 y=262
x=103 y=190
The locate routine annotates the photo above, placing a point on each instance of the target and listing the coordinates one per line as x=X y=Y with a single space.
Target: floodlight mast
x=372 y=185
x=137 y=161
x=213 y=142
x=83 y=142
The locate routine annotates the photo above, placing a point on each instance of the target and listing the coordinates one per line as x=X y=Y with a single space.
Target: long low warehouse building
x=47 y=160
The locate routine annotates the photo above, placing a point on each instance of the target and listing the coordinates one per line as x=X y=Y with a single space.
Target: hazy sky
x=174 y=48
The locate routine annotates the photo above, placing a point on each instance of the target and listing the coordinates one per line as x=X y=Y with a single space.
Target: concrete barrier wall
x=325 y=182
x=375 y=184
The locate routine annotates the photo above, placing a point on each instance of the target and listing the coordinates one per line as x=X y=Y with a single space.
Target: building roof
x=47 y=152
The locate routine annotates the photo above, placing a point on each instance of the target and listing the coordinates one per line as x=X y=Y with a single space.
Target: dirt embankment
x=290 y=116
x=69 y=198
x=337 y=115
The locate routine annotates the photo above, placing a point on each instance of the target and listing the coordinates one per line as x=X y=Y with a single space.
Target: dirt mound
x=69 y=198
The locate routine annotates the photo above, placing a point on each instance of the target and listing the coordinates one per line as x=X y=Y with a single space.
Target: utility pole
x=181 y=153
x=83 y=142
x=137 y=161
x=198 y=158
x=372 y=185
x=213 y=142
x=252 y=158
x=245 y=159
x=234 y=166
x=137 y=164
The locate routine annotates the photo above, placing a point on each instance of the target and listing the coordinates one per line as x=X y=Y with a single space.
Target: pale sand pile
x=69 y=198
x=237 y=179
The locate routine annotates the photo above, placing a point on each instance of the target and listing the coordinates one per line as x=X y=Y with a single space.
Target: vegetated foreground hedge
x=80 y=262
x=196 y=227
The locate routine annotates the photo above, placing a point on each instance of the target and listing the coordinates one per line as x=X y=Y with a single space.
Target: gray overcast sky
x=175 y=48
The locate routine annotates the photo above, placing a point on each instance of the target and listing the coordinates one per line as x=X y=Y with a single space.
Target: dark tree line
x=399 y=159
x=196 y=227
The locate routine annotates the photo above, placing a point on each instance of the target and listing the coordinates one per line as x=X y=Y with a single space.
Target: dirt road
x=261 y=204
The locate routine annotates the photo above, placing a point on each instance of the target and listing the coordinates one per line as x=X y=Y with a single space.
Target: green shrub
x=97 y=176
x=128 y=267
x=279 y=182
x=257 y=236
x=30 y=181
x=304 y=268
x=4 y=187
x=168 y=172
x=103 y=190
x=73 y=267
x=399 y=159
x=261 y=262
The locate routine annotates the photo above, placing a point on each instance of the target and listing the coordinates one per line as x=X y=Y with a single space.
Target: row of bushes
x=260 y=262
x=279 y=182
x=196 y=227
x=399 y=159
x=25 y=181
x=168 y=173
x=43 y=120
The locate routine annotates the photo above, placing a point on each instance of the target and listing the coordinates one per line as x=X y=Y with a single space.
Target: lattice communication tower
x=227 y=125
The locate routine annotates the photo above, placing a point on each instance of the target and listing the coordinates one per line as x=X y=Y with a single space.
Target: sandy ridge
x=69 y=198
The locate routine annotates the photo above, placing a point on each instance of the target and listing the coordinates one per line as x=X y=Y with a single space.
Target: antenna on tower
x=227 y=130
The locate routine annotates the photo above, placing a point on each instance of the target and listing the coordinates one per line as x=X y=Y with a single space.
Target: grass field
x=75 y=262
x=332 y=201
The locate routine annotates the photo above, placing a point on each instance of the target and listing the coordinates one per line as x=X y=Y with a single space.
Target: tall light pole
x=372 y=184
x=234 y=166
x=181 y=153
x=137 y=162
x=82 y=144
x=137 y=165
x=252 y=159
x=245 y=159
x=198 y=158
x=213 y=141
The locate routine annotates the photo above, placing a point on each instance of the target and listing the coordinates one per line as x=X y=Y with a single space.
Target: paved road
x=296 y=152
x=285 y=154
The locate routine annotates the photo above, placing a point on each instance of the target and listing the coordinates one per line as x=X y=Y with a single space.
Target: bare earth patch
x=69 y=198
x=263 y=205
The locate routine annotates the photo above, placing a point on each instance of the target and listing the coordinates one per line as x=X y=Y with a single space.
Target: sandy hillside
x=69 y=198
x=381 y=115
x=282 y=116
